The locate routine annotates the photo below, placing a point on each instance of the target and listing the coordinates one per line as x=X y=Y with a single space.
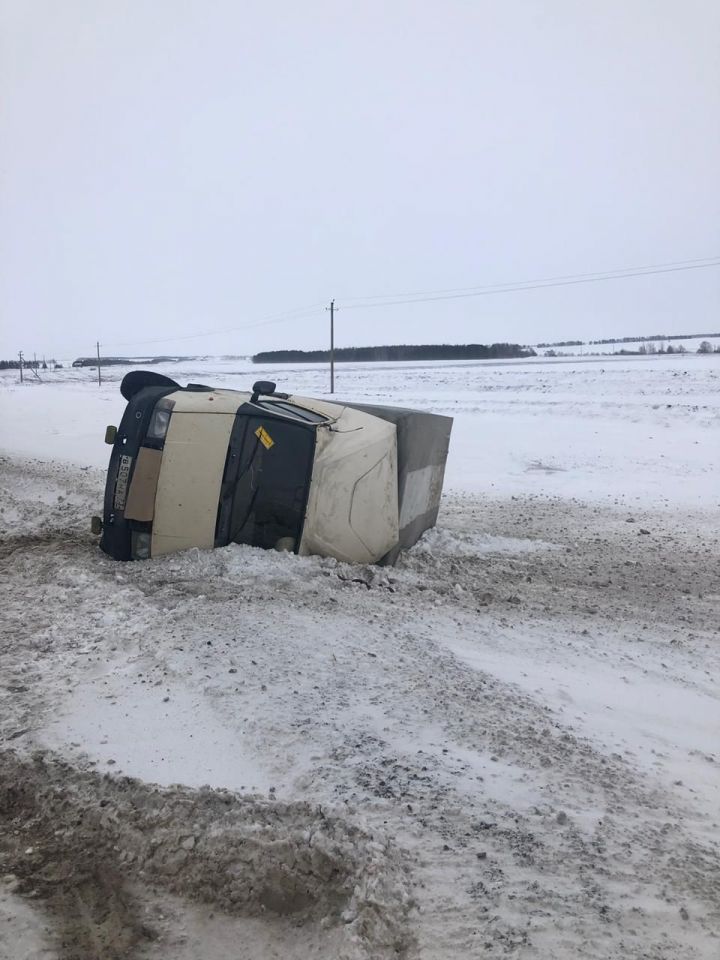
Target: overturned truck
x=201 y=467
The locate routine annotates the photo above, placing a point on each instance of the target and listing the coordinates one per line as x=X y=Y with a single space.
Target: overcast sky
x=171 y=167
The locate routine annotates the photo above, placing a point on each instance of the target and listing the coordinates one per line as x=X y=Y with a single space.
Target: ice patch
x=23 y=926
x=143 y=732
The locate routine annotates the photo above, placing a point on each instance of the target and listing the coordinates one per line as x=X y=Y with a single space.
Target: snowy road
x=506 y=745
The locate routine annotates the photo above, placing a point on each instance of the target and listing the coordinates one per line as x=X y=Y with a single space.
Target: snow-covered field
x=507 y=745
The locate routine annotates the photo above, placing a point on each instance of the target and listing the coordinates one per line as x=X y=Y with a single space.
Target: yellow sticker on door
x=264 y=437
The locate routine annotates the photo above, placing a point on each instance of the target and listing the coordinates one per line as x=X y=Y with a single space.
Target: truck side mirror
x=265 y=387
x=110 y=434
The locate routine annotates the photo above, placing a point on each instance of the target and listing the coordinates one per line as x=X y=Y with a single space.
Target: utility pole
x=98 y=355
x=331 y=308
x=20 y=355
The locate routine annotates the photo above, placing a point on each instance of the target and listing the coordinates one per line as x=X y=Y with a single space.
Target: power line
x=297 y=314
x=567 y=276
x=391 y=300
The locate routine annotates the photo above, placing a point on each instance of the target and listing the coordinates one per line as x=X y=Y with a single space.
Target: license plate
x=121 y=484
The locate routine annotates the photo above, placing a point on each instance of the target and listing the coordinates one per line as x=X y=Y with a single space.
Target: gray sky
x=171 y=167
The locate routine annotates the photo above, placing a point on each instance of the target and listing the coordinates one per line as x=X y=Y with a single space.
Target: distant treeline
x=657 y=336
x=27 y=365
x=424 y=351
x=126 y=361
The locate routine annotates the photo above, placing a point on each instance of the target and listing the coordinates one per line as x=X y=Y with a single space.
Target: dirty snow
x=507 y=745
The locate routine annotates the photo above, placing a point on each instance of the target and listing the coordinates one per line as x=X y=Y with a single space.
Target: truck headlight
x=140 y=545
x=160 y=420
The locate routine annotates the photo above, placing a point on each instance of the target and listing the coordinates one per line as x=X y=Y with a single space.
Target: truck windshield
x=266 y=483
x=292 y=410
